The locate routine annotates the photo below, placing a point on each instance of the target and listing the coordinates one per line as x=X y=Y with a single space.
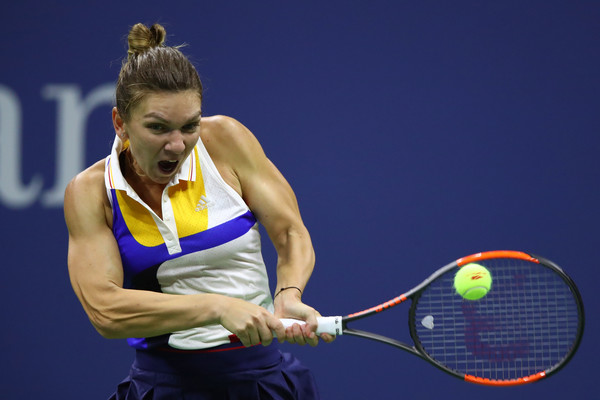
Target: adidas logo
x=203 y=203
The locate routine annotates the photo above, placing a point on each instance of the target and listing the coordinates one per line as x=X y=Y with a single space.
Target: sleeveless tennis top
x=206 y=242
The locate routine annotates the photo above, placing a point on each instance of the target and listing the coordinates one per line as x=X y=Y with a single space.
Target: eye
x=155 y=127
x=190 y=128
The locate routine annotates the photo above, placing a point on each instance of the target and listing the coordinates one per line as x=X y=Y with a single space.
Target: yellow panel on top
x=189 y=203
x=139 y=221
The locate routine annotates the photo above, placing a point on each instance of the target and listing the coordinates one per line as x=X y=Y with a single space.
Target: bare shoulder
x=225 y=134
x=87 y=181
x=234 y=150
x=85 y=196
x=221 y=124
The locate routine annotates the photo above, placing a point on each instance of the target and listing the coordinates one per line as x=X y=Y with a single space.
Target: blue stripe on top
x=137 y=258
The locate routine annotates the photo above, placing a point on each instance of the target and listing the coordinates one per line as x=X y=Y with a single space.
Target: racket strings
x=526 y=324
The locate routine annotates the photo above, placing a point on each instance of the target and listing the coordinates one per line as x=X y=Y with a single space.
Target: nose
x=175 y=143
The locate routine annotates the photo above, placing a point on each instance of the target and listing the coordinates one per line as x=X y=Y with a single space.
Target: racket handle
x=331 y=325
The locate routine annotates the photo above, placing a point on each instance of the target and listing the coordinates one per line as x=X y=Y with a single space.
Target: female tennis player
x=164 y=247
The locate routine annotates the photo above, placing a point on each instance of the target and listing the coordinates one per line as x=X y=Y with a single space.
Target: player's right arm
x=96 y=275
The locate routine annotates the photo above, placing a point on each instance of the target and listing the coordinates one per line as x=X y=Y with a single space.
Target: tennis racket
x=526 y=328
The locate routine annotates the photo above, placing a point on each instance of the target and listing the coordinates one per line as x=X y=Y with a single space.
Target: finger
x=254 y=337
x=298 y=334
x=327 y=338
x=310 y=336
x=243 y=337
x=311 y=322
x=289 y=335
x=277 y=329
x=265 y=334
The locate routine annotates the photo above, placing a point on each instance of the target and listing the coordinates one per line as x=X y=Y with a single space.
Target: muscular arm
x=273 y=202
x=97 y=278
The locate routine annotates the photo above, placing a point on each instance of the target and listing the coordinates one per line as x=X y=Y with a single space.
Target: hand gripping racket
x=526 y=328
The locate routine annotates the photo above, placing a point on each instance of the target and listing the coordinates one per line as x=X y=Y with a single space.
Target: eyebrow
x=159 y=117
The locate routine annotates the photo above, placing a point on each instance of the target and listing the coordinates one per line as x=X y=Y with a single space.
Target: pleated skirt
x=230 y=372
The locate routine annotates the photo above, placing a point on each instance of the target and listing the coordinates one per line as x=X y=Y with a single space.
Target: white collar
x=187 y=172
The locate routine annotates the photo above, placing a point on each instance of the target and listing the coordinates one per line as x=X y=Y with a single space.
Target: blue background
x=413 y=133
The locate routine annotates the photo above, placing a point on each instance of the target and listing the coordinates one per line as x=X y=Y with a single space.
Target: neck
x=135 y=176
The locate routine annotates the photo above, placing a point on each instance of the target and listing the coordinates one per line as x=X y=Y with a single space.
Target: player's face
x=162 y=131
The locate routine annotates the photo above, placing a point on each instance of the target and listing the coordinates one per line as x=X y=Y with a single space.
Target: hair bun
x=141 y=38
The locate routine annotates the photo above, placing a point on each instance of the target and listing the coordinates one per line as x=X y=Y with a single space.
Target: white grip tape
x=331 y=325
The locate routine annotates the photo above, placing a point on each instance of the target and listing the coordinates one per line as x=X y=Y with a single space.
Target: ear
x=118 y=124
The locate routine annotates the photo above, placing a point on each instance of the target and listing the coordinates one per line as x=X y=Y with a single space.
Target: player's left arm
x=273 y=202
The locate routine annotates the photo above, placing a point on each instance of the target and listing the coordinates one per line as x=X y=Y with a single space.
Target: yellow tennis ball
x=472 y=281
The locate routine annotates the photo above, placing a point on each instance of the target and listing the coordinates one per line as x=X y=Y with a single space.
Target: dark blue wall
x=414 y=133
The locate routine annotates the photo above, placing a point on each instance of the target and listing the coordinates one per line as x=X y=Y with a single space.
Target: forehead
x=168 y=105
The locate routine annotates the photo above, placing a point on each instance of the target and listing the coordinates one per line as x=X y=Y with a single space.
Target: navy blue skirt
x=227 y=372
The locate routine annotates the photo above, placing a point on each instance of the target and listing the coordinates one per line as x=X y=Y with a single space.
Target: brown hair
x=152 y=67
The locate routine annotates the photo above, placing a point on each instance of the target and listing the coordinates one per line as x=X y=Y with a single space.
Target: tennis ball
x=472 y=281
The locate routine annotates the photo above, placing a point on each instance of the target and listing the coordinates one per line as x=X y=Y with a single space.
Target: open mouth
x=167 y=167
